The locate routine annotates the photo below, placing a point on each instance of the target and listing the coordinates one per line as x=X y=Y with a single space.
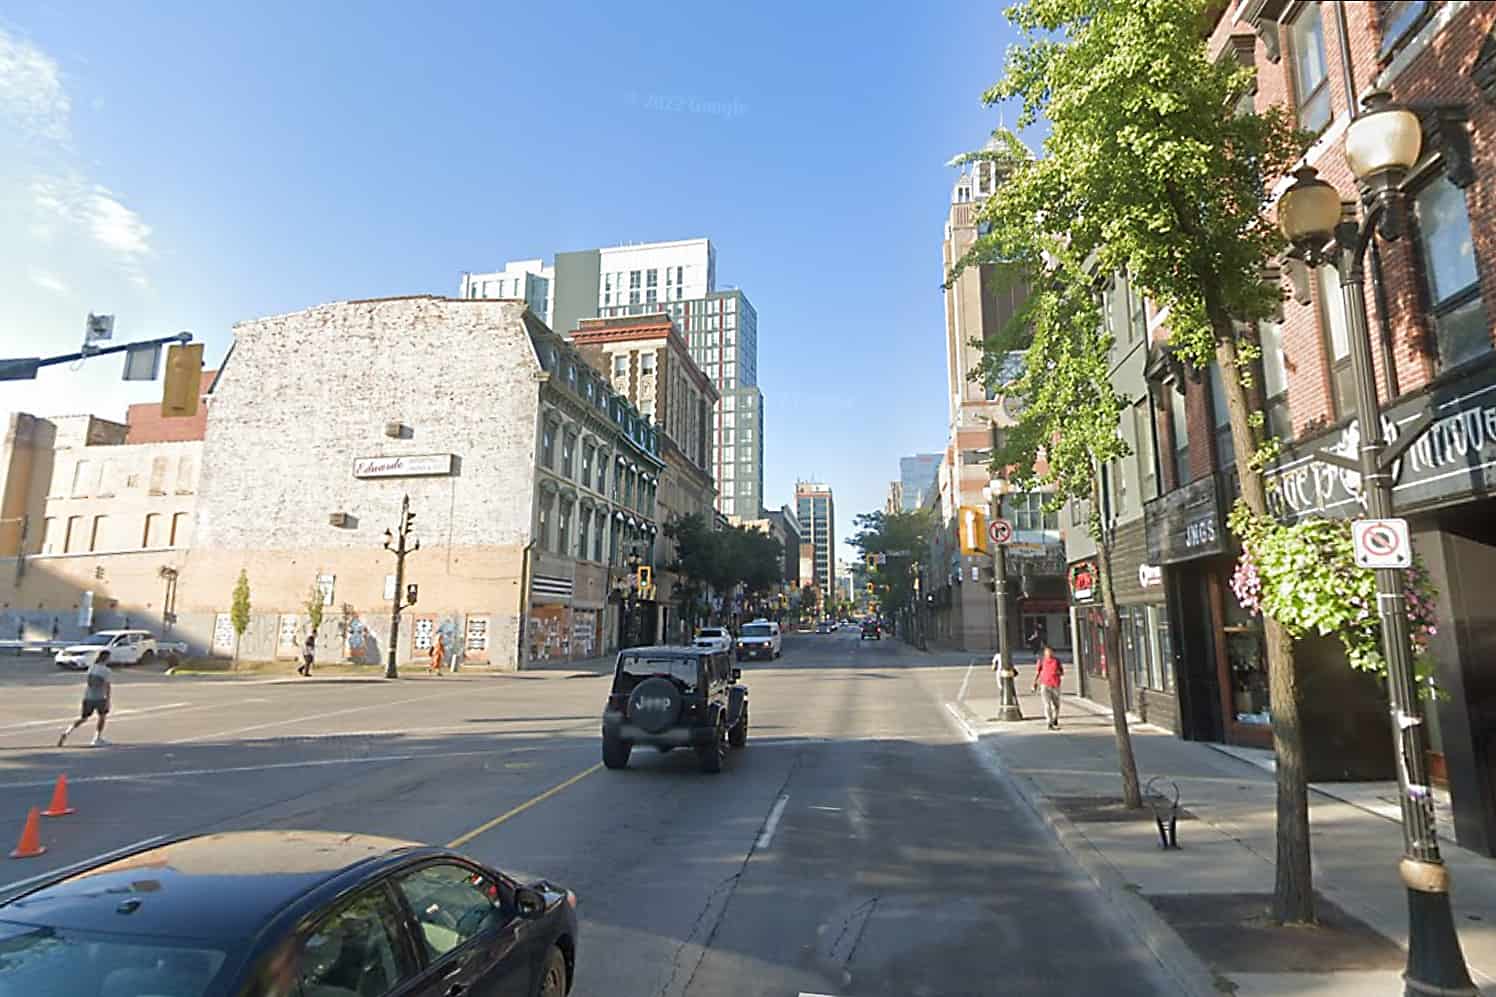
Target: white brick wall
x=304 y=394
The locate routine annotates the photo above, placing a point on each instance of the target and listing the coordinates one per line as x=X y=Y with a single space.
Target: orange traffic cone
x=30 y=844
x=59 y=805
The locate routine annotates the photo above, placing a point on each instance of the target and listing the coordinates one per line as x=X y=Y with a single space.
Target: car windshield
x=37 y=961
x=680 y=669
x=757 y=630
x=98 y=640
x=710 y=632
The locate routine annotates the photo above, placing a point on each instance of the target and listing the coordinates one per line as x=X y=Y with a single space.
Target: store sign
x=1150 y=576
x=410 y=466
x=1083 y=587
x=1186 y=523
x=1455 y=457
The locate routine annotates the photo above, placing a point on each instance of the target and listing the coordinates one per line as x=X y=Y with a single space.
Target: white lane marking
x=965 y=727
x=267 y=767
x=772 y=824
x=965 y=681
x=83 y=864
x=309 y=716
x=115 y=715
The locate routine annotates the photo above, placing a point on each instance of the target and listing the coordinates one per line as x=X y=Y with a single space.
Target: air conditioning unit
x=338 y=519
x=394 y=430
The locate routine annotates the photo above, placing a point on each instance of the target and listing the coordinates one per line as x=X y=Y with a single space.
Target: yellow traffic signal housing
x=870 y=586
x=646 y=575
x=183 y=381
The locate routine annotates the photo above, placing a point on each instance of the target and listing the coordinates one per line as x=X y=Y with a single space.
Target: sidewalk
x=1204 y=900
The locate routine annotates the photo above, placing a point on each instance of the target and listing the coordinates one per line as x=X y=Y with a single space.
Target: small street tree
x=315 y=604
x=904 y=536
x=239 y=611
x=1153 y=167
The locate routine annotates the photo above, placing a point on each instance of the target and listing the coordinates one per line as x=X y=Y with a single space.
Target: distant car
x=824 y=627
x=716 y=638
x=277 y=913
x=125 y=647
x=760 y=639
x=871 y=630
x=675 y=697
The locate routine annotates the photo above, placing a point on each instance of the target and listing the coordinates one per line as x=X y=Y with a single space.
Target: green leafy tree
x=722 y=560
x=907 y=534
x=239 y=610
x=1150 y=167
x=315 y=604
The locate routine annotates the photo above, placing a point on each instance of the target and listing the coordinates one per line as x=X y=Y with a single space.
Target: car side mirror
x=737 y=673
x=528 y=902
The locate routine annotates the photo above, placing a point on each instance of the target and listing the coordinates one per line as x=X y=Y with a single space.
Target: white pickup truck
x=125 y=647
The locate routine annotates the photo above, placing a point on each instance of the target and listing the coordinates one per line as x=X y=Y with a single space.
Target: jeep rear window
x=681 y=669
x=757 y=630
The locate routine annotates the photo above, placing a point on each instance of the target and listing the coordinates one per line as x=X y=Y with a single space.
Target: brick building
x=1427 y=302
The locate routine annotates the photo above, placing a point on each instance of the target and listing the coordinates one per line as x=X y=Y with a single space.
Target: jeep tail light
x=617 y=701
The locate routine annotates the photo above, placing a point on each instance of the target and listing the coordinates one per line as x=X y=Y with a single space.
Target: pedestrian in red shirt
x=1048 y=675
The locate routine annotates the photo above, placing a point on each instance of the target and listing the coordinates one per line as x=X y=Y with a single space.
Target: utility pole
x=399 y=547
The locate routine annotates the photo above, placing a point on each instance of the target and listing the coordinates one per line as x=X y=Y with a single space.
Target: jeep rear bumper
x=616 y=727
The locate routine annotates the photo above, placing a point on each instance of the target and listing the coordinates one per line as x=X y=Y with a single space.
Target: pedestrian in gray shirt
x=95 y=700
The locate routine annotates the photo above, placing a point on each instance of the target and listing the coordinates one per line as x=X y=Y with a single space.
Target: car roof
x=115 y=633
x=212 y=886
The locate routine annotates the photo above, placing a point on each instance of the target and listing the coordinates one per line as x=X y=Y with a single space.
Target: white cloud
x=46 y=280
x=115 y=226
x=32 y=99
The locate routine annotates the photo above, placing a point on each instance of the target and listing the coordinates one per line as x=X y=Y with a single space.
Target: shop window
x=1337 y=341
x=1161 y=658
x=1133 y=621
x=1449 y=273
x=1246 y=657
x=1311 y=83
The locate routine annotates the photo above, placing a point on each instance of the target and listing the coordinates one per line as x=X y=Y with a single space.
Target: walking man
x=308 y=652
x=95 y=700
x=1048 y=676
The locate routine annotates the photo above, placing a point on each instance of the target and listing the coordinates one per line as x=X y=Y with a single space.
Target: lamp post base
x=390 y=671
x=1436 y=966
x=1007 y=699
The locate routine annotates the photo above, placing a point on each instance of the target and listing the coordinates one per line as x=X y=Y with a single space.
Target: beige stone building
x=92 y=528
x=648 y=362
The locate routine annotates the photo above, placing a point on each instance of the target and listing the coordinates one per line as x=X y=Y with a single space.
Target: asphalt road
x=856 y=846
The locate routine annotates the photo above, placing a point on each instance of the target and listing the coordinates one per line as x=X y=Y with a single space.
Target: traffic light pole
x=399 y=549
x=25 y=368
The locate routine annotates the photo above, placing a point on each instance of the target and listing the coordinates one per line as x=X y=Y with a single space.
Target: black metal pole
x=390 y=670
x=1436 y=965
x=1007 y=690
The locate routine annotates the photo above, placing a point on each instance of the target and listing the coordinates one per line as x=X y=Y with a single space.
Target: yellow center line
x=463 y=839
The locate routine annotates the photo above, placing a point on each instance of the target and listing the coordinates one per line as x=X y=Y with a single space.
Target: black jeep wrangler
x=675 y=697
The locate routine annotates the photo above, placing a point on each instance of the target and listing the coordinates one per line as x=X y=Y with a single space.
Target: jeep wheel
x=713 y=755
x=616 y=752
x=738 y=736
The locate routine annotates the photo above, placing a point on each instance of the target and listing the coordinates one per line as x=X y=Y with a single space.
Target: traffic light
x=410 y=521
x=870 y=586
x=410 y=594
x=183 y=382
x=646 y=575
x=872 y=560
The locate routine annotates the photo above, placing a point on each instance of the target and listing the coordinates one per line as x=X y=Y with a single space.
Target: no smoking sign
x=1382 y=543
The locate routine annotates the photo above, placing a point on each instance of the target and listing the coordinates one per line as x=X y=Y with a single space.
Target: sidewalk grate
x=1103 y=809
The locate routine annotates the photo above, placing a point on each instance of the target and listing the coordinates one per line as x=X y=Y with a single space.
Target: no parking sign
x=1382 y=543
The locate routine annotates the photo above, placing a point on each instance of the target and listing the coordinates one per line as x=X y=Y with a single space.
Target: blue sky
x=192 y=168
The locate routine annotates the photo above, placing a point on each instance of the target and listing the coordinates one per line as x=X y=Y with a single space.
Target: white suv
x=716 y=638
x=759 y=639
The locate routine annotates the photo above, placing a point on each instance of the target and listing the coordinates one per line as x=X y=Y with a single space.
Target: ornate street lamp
x=1381 y=145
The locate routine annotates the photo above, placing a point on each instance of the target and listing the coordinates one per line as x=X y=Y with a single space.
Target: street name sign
x=1382 y=543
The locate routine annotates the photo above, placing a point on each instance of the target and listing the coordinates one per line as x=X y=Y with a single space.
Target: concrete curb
x=1177 y=958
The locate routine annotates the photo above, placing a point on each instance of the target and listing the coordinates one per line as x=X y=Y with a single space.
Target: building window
x=74 y=540
x=563 y=530
x=181 y=528
x=1180 y=426
x=1310 y=81
x=1161 y=651
x=1137 y=313
x=1338 y=341
x=158 y=476
x=543 y=525
x=1025 y=510
x=1142 y=427
x=1117 y=471
x=652 y=278
x=587 y=451
x=82 y=472
x=1449 y=272
x=647 y=363
x=597 y=538
x=613 y=542
x=151 y=537
x=1397 y=19
x=100 y=529
x=568 y=454
x=620 y=364
x=1275 y=379
x=184 y=476
x=602 y=472
x=548 y=444
x=49 y=535
x=618 y=481
x=1220 y=418
x=633 y=280
x=584 y=525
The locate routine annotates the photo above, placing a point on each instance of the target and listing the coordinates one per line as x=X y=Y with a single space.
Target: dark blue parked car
x=288 y=914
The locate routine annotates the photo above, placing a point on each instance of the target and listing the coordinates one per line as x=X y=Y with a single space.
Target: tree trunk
x=1293 y=887
x=1132 y=797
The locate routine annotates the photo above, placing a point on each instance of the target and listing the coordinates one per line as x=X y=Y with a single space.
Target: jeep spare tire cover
x=654 y=704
